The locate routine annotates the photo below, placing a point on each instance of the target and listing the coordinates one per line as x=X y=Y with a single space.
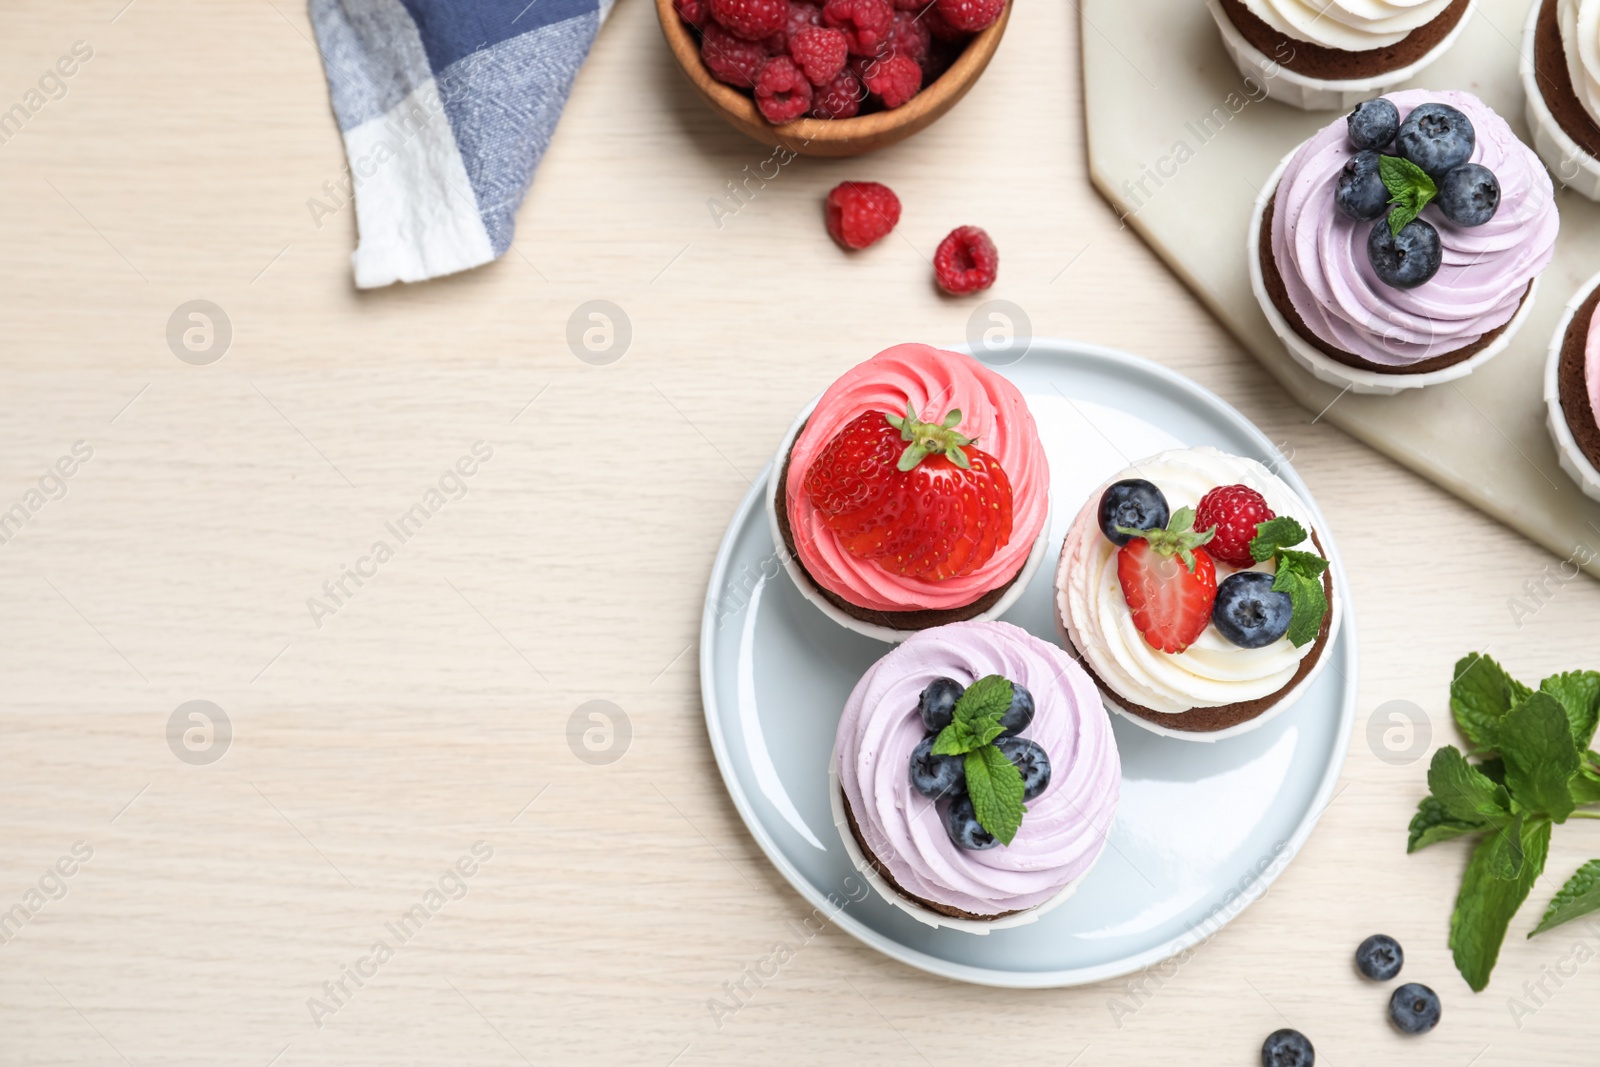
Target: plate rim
x=753 y=500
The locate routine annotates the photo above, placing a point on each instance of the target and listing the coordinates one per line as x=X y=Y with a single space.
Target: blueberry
x=1414 y=1008
x=1287 y=1048
x=961 y=823
x=937 y=776
x=1469 y=195
x=1019 y=714
x=1134 y=503
x=1361 y=194
x=1248 y=612
x=1408 y=260
x=1374 y=123
x=937 y=704
x=1379 y=957
x=1029 y=758
x=1436 y=137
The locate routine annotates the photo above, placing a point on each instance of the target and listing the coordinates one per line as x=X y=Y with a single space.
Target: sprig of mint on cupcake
x=1534 y=770
x=993 y=781
x=1410 y=190
x=1298 y=573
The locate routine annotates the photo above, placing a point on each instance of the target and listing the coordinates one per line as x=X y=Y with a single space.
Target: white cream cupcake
x=1561 y=74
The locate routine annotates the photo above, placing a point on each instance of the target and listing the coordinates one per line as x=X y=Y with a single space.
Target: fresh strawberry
x=914 y=497
x=1234 y=511
x=1169 y=582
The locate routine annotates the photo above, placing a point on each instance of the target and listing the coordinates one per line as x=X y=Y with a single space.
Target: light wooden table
x=429 y=712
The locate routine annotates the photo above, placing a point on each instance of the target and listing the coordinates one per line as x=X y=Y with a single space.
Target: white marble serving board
x=1154 y=70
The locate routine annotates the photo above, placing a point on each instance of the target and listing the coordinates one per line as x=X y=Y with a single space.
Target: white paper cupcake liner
x=809 y=590
x=1569 y=164
x=1327 y=369
x=1573 y=461
x=1319 y=94
x=923 y=915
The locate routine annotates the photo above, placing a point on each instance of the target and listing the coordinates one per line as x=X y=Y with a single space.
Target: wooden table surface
x=419 y=720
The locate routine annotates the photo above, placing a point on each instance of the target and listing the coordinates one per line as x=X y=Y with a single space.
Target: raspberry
x=729 y=58
x=861 y=213
x=750 y=19
x=940 y=26
x=911 y=5
x=840 y=98
x=1235 y=511
x=782 y=92
x=821 y=53
x=694 y=12
x=909 y=37
x=966 y=261
x=894 y=80
x=970 y=16
x=866 y=23
x=801 y=15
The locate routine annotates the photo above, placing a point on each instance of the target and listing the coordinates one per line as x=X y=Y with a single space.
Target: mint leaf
x=1486 y=903
x=1536 y=743
x=1579 y=897
x=1308 y=600
x=995 y=786
x=1480 y=695
x=1504 y=856
x=1433 y=823
x=976 y=721
x=1274 y=535
x=1585 y=785
x=1579 y=693
x=1464 y=792
x=1410 y=190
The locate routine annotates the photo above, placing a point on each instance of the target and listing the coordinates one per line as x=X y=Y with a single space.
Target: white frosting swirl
x=1349 y=25
x=1580 y=38
x=1209 y=673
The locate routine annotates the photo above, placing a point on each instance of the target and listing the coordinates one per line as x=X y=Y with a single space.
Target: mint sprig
x=1298 y=573
x=1535 y=770
x=993 y=781
x=1410 y=190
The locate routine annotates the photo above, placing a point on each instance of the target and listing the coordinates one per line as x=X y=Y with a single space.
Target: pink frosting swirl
x=1487 y=269
x=1065 y=827
x=934 y=382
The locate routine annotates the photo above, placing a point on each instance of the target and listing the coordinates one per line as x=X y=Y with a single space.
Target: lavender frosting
x=1065 y=827
x=1487 y=269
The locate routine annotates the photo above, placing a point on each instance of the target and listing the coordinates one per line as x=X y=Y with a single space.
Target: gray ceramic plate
x=1201 y=831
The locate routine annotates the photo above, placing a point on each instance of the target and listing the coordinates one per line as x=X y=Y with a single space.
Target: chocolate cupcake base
x=1562 y=131
x=1571 y=417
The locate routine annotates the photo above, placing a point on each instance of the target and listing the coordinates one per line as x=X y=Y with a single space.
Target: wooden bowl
x=832 y=137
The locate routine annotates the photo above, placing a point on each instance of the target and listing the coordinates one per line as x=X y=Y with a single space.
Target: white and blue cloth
x=446 y=108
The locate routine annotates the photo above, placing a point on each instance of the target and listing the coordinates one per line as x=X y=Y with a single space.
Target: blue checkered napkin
x=446 y=108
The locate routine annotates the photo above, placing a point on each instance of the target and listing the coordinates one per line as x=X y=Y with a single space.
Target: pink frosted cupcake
x=914 y=493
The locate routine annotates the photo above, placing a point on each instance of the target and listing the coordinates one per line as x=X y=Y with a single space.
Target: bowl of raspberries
x=832 y=77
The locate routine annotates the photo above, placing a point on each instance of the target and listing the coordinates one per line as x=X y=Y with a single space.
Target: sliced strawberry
x=1169 y=582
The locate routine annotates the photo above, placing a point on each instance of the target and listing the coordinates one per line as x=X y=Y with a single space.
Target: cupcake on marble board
x=976 y=776
x=1561 y=73
x=1572 y=389
x=1331 y=54
x=913 y=493
x=1401 y=246
x=1195 y=589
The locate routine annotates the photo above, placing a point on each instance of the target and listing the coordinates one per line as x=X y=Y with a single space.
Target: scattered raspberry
x=970 y=16
x=894 y=80
x=1235 y=511
x=782 y=92
x=840 y=98
x=861 y=213
x=940 y=26
x=909 y=38
x=866 y=23
x=911 y=5
x=801 y=15
x=731 y=59
x=751 y=19
x=966 y=261
x=821 y=53
x=694 y=12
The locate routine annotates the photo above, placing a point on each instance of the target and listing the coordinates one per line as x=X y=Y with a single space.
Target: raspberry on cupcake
x=1561 y=73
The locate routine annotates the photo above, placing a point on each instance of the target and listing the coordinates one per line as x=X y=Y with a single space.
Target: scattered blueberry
x=937 y=776
x=937 y=705
x=1135 y=504
x=1379 y=957
x=1408 y=260
x=961 y=823
x=1414 y=1008
x=1248 y=612
x=1374 y=123
x=1287 y=1048
x=1029 y=758
x=1436 y=137
x=1361 y=194
x=1469 y=195
x=1020 y=713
